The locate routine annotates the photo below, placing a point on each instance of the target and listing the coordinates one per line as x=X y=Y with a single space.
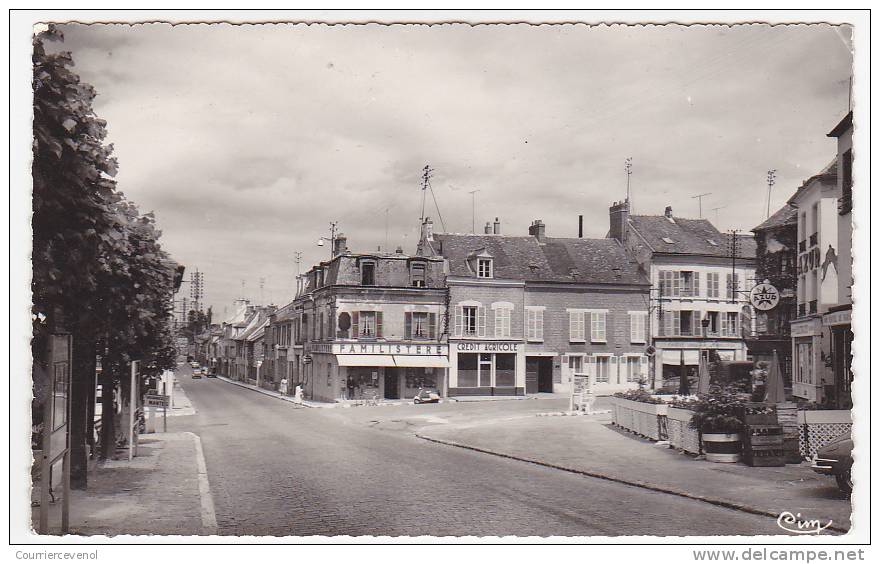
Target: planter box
x=640 y=418
x=681 y=436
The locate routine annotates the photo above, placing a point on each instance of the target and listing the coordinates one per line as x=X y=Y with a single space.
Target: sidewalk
x=589 y=445
x=162 y=491
x=278 y=395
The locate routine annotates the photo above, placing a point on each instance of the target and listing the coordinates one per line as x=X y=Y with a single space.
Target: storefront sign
x=487 y=347
x=764 y=296
x=809 y=261
x=806 y=328
x=837 y=318
x=381 y=348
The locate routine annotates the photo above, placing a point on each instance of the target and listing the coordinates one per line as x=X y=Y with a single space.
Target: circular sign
x=764 y=296
x=650 y=351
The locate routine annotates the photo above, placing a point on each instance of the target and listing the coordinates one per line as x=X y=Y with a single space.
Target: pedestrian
x=350 y=384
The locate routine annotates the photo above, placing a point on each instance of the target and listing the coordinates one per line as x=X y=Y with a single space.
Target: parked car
x=426 y=395
x=194 y=364
x=197 y=373
x=209 y=372
x=835 y=459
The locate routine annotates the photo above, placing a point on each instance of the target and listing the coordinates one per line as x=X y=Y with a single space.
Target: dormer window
x=484 y=268
x=368 y=273
x=417 y=275
x=668 y=241
x=712 y=242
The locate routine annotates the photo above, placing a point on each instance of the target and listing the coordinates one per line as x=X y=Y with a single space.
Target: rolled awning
x=413 y=361
x=691 y=358
x=365 y=360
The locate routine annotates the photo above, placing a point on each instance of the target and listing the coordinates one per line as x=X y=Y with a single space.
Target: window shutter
x=613 y=370
x=696 y=292
x=676 y=283
x=499 y=320
x=572 y=326
x=378 y=323
x=355 y=325
x=432 y=325
x=459 y=320
x=407 y=325
x=603 y=320
x=723 y=316
x=481 y=321
x=643 y=368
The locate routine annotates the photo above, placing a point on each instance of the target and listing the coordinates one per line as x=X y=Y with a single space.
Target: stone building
x=526 y=312
x=699 y=281
x=372 y=326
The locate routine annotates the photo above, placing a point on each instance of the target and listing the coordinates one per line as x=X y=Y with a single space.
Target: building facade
x=372 y=326
x=700 y=279
x=818 y=285
x=528 y=312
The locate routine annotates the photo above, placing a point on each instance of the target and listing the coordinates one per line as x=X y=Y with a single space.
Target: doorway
x=539 y=374
x=392 y=383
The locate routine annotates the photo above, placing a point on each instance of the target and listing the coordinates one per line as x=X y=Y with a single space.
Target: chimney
x=428 y=229
x=339 y=244
x=618 y=214
x=398 y=250
x=580 y=227
x=496 y=227
x=537 y=229
x=668 y=212
x=488 y=229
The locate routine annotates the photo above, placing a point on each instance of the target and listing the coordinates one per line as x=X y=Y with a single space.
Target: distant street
x=276 y=469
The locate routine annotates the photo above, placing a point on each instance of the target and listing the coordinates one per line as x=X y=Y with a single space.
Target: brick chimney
x=668 y=212
x=618 y=215
x=339 y=244
x=487 y=230
x=537 y=230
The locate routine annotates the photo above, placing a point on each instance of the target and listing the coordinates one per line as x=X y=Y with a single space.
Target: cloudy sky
x=247 y=141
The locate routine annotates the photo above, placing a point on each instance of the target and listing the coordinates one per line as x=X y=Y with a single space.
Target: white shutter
x=634 y=327
x=572 y=326
x=481 y=321
x=613 y=370
x=643 y=371
x=539 y=324
x=459 y=320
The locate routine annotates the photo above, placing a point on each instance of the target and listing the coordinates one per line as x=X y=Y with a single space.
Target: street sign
x=650 y=351
x=764 y=296
x=156 y=400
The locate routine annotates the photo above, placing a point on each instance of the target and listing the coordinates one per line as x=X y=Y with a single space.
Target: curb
x=262 y=391
x=644 y=485
x=209 y=517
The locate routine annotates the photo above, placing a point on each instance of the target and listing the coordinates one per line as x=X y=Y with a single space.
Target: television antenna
x=699 y=198
x=771 y=180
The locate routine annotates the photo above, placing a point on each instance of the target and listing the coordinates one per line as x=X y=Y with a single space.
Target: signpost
x=157 y=401
x=132 y=407
x=582 y=396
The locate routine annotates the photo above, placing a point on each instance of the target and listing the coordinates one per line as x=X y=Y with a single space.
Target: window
x=712 y=290
x=467 y=370
x=368 y=273
x=485 y=373
x=366 y=324
x=576 y=326
x=502 y=320
x=603 y=369
x=505 y=370
x=419 y=325
x=732 y=286
x=417 y=275
x=686 y=323
x=576 y=364
x=729 y=323
x=713 y=327
x=638 y=326
x=597 y=326
x=484 y=268
x=470 y=320
x=535 y=323
x=636 y=368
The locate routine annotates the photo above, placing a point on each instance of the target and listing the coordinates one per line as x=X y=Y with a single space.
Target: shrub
x=717 y=412
x=642 y=396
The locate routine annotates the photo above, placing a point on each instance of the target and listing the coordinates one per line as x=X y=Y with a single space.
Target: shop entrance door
x=532 y=374
x=392 y=383
x=545 y=374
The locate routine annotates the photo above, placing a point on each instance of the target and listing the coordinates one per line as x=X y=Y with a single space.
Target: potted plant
x=716 y=417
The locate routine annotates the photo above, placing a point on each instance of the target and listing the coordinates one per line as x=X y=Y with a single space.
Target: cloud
x=248 y=140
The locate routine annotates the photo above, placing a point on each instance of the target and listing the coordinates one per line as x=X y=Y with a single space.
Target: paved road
x=276 y=469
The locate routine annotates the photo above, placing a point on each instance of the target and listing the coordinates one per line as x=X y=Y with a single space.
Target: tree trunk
x=81 y=396
x=108 y=428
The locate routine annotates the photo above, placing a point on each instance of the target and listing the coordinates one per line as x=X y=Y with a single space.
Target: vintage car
x=835 y=459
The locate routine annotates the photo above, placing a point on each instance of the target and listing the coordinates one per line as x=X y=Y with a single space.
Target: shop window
x=417 y=275
x=368 y=273
x=467 y=370
x=505 y=370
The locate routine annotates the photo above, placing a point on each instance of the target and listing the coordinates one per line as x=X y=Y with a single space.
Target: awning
x=365 y=360
x=414 y=361
x=672 y=356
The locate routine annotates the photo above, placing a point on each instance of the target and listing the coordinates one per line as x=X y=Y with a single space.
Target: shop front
x=487 y=368
x=678 y=359
x=808 y=359
x=839 y=322
x=378 y=371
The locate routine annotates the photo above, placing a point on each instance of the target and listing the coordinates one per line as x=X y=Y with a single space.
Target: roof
x=258 y=331
x=556 y=260
x=786 y=215
x=688 y=236
x=844 y=124
x=827 y=174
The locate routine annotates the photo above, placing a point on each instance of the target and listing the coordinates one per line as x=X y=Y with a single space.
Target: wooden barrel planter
x=722 y=447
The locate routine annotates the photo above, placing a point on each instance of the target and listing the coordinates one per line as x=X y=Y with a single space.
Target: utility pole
x=629 y=170
x=734 y=251
x=699 y=198
x=473 y=194
x=426 y=177
x=771 y=180
x=333 y=225
x=386 y=229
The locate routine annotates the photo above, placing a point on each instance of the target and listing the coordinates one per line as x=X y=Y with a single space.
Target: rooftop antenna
x=386 y=229
x=426 y=185
x=629 y=170
x=699 y=198
x=716 y=213
x=473 y=194
x=771 y=180
x=262 y=284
